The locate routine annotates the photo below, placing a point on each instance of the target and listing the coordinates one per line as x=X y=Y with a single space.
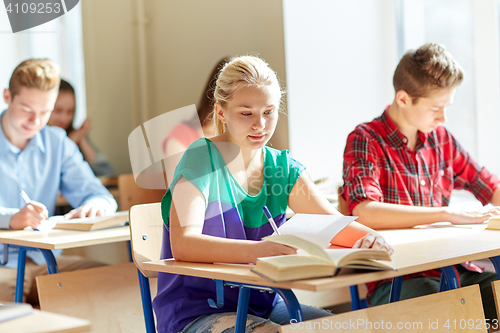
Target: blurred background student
x=63 y=115
x=200 y=125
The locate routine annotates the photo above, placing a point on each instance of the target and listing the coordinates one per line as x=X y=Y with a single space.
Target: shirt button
x=405 y=140
x=441 y=172
x=422 y=182
x=23 y=185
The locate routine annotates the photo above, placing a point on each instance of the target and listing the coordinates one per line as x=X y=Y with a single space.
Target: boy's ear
x=219 y=113
x=7 y=97
x=403 y=99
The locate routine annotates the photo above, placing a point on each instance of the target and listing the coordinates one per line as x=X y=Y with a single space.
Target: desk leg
x=397 y=282
x=50 y=260
x=451 y=278
x=496 y=263
x=292 y=304
x=355 y=302
x=21 y=265
x=241 y=314
x=146 y=303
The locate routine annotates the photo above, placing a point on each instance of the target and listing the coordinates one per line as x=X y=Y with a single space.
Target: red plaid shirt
x=379 y=166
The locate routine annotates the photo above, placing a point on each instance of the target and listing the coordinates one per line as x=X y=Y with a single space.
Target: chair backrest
x=422 y=314
x=496 y=294
x=108 y=296
x=131 y=194
x=146 y=231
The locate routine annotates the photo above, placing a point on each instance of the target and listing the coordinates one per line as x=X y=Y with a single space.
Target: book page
x=343 y=257
x=311 y=249
x=316 y=228
x=96 y=219
x=10 y=310
x=50 y=223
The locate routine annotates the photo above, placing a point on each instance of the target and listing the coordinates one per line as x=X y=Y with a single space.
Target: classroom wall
x=349 y=48
x=144 y=58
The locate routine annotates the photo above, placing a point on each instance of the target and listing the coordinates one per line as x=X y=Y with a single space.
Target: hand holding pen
x=30 y=215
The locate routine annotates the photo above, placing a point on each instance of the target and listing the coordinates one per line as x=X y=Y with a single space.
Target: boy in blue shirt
x=41 y=160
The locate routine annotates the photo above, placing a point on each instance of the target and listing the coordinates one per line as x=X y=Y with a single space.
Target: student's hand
x=471 y=217
x=78 y=135
x=373 y=240
x=29 y=216
x=270 y=249
x=89 y=209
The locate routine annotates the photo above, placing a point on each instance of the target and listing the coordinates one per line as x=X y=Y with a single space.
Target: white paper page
x=316 y=228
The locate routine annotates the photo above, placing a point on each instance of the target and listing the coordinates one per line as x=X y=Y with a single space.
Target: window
x=59 y=40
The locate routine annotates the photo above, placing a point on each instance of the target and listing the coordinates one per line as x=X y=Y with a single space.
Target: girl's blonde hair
x=242 y=72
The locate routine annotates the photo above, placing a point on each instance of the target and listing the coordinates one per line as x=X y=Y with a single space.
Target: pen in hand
x=28 y=200
x=25 y=197
x=271 y=220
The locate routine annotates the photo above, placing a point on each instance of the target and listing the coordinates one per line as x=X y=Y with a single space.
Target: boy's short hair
x=42 y=74
x=426 y=69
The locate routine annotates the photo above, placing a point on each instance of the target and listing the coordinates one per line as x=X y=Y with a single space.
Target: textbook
x=317 y=261
x=10 y=310
x=117 y=219
x=312 y=234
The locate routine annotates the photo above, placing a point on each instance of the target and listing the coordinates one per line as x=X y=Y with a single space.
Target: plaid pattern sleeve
x=379 y=166
x=361 y=174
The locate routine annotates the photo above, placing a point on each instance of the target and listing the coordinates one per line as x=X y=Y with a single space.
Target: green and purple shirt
x=229 y=213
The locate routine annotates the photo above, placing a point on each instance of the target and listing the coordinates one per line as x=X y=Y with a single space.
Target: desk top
x=45 y=322
x=415 y=250
x=64 y=239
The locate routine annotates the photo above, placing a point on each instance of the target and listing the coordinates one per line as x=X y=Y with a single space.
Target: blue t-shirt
x=229 y=213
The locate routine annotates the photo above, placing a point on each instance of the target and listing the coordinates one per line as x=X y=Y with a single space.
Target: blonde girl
x=213 y=210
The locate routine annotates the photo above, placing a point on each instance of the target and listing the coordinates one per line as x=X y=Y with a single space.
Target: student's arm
x=189 y=244
x=80 y=187
x=495 y=199
x=379 y=215
x=30 y=215
x=305 y=198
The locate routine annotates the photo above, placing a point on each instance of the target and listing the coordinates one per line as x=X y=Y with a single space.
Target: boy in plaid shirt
x=400 y=168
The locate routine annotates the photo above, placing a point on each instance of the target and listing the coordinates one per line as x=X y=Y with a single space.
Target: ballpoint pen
x=25 y=197
x=271 y=220
x=28 y=200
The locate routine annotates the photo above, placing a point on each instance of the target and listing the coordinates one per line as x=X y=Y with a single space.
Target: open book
x=14 y=310
x=317 y=262
x=117 y=219
x=314 y=259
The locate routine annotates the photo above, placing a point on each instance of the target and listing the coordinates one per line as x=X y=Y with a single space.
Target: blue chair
x=146 y=230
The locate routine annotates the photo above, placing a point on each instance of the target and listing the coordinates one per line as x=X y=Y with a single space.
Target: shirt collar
x=394 y=135
x=6 y=145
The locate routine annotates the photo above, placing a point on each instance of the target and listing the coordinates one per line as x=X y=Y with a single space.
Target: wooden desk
x=45 y=322
x=416 y=250
x=56 y=239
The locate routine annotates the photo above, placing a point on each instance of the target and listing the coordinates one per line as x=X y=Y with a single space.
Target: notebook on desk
x=117 y=219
